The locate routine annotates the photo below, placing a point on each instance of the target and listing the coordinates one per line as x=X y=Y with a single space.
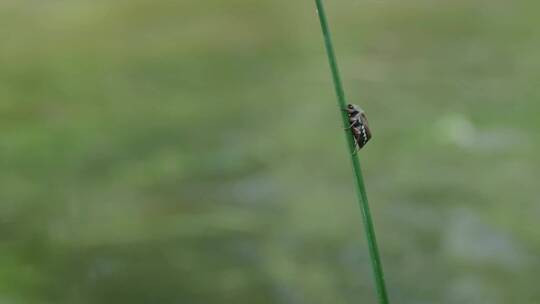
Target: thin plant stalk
x=359 y=181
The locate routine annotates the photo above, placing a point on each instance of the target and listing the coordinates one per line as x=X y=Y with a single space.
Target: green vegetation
x=190 y=152
x=354 y=146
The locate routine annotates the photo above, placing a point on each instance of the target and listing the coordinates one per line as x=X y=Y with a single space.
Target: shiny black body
x=358 y=125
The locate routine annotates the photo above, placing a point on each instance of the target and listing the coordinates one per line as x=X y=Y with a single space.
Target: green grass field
x=191 y=152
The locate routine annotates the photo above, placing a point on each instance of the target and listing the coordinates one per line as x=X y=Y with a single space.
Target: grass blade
x=359 y=181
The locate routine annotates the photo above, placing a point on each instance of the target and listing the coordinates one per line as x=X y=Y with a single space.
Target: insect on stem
x=358 y=133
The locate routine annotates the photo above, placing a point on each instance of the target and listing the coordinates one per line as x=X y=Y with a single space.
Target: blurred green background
x=192 y=152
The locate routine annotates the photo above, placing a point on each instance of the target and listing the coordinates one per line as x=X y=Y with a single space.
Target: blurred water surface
x=190 y=151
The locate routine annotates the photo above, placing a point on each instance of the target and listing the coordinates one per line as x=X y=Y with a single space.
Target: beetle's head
x=353 y=109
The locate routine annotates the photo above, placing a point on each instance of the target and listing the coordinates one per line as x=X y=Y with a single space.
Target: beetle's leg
x=350 y=127
x=354 y=123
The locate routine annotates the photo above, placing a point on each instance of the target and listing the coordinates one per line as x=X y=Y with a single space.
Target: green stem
x=361 y=189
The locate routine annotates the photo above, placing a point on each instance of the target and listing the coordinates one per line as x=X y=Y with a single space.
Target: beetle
x=359 y=126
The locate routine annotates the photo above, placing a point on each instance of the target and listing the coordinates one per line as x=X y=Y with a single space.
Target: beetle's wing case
x=360 y=136
x=359 y=143
x=365 y=122
x=359 y=125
